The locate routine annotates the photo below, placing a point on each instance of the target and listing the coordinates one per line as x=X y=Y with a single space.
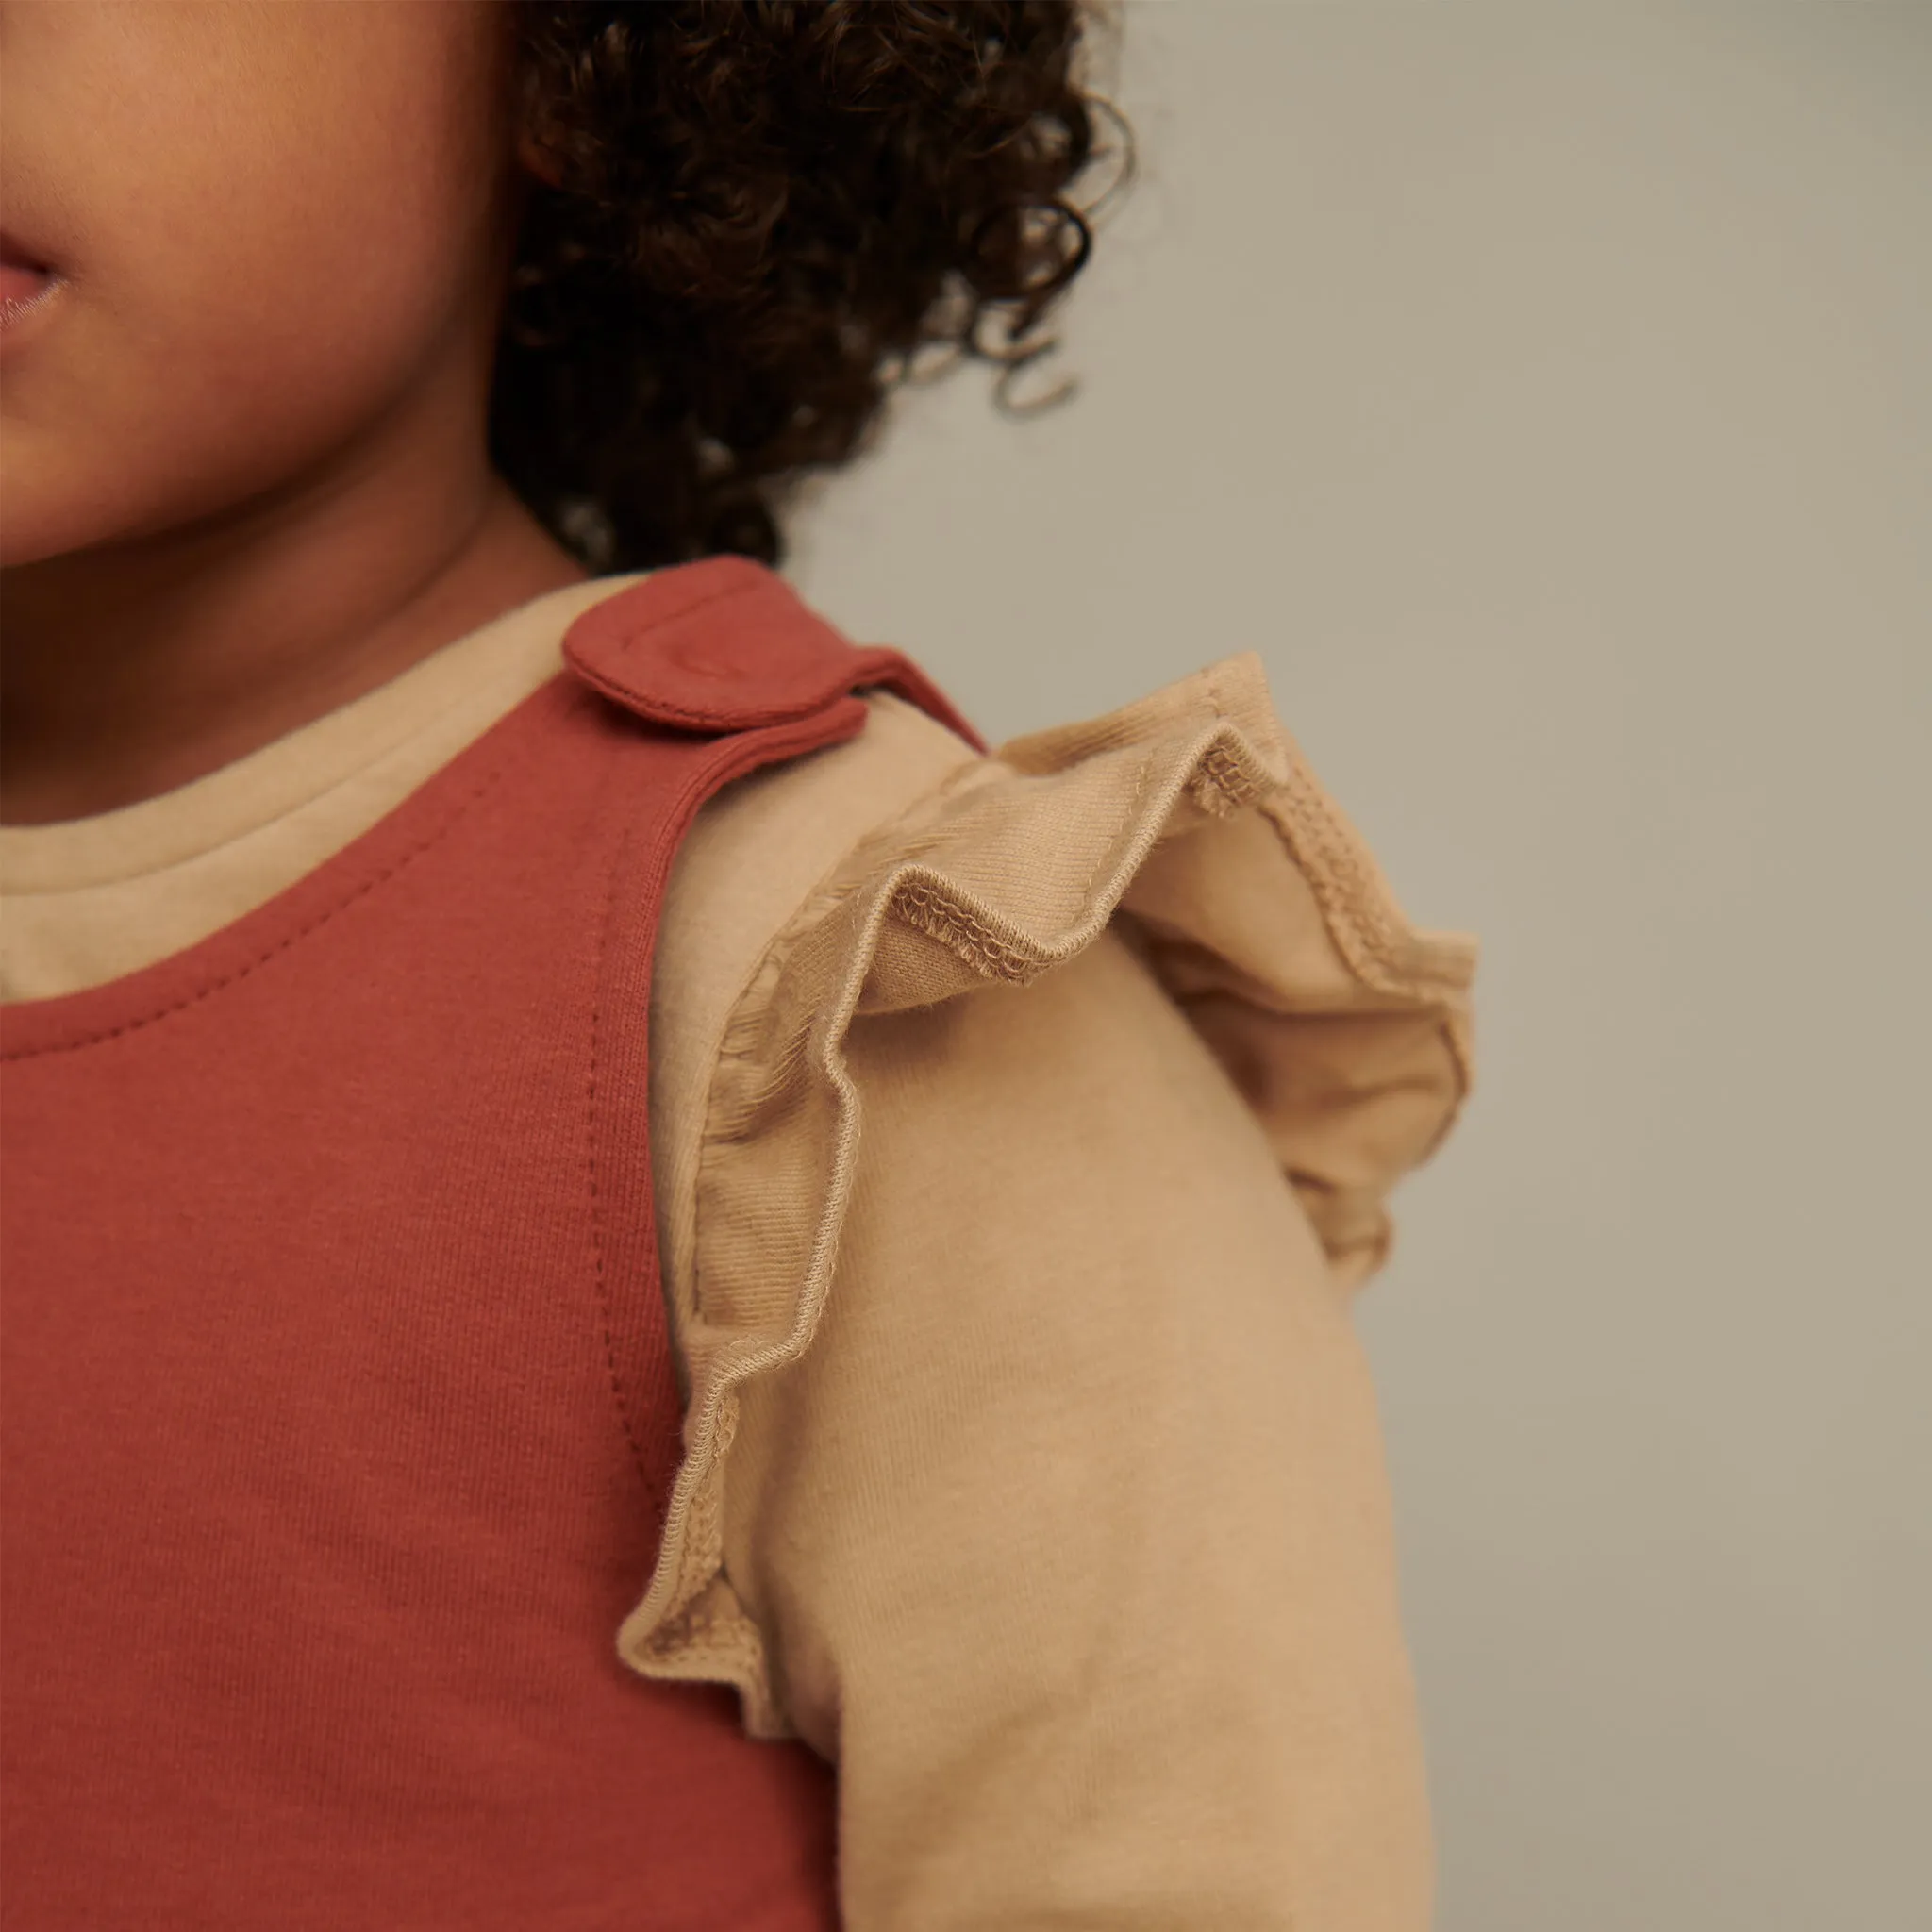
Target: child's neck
x=132 y=669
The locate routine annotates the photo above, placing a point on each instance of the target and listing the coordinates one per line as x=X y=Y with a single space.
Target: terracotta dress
x=422 y=1192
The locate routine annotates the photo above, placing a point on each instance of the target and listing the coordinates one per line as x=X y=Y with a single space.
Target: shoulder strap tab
x=726 y=644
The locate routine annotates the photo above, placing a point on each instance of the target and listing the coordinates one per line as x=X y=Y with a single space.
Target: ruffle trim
x=1191 y=819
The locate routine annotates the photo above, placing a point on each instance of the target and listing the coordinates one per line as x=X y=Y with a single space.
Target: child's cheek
x=273 y=223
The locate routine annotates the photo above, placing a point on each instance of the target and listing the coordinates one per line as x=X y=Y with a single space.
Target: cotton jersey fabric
x=339 y=1420
x=1031 y=1471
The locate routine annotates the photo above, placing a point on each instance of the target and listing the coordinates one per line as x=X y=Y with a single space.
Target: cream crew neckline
x=445 y=700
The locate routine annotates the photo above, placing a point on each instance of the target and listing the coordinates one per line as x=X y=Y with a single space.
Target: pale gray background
x=1544 y=393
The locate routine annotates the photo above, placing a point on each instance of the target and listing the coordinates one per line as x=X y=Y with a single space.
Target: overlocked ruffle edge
x=1191 y=819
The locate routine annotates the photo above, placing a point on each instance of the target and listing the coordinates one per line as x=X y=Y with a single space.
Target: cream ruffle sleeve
x=1032 y=1470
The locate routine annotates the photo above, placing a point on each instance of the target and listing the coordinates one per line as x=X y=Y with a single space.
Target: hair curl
x=763 y=212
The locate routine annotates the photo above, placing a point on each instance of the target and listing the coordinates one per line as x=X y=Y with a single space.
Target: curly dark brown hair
x=764 y=211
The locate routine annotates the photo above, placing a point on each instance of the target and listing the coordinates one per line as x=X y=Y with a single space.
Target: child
x=640 y=1287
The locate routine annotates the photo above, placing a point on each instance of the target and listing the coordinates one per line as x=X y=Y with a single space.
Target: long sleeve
x=1069 y=1528
x=1035 y=1474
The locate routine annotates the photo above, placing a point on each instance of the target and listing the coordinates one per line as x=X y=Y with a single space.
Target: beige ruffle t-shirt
x=1051 y=1099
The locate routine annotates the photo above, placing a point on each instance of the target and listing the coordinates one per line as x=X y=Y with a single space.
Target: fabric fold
x=1189 y=820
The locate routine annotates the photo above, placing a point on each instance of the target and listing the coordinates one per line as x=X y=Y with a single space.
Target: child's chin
x=57 y=496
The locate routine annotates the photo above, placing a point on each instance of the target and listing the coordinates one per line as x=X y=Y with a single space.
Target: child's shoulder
x=816 y=905
x=905 y=868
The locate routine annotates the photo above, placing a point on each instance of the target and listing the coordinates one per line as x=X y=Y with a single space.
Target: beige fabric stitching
x=1215 y=745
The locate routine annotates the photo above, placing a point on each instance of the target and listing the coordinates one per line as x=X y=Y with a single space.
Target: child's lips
x=25 y=282
x=19 y=283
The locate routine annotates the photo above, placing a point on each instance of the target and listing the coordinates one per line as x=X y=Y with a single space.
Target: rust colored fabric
x=338 y=1411
x=1021 y=1128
